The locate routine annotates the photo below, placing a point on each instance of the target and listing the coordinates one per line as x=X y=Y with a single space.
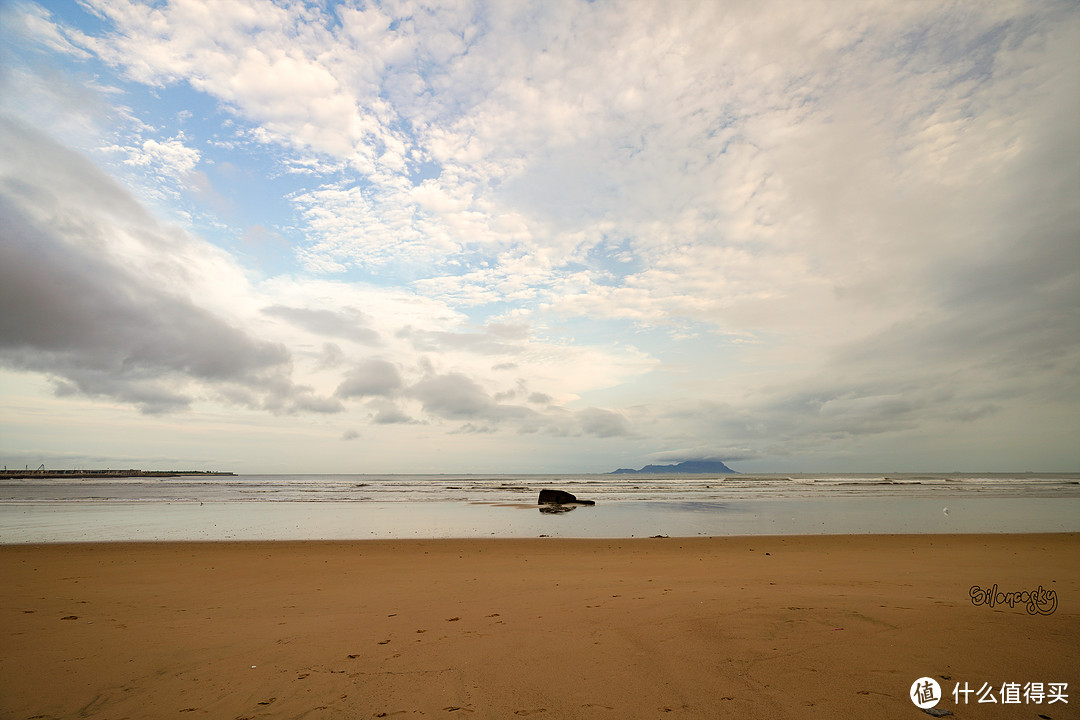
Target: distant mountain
x=697 y=467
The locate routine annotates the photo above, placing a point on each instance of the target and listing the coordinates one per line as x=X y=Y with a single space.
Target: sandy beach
x=741 y=627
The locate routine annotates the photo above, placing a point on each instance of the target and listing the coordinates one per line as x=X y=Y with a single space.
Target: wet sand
x=741 y=627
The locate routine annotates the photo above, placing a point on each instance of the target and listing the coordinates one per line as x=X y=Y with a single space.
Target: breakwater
x=75 y=474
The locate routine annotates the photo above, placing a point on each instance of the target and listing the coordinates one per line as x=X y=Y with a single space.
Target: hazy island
x=694 y=467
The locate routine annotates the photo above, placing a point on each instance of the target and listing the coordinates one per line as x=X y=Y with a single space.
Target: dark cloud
x=331 y=356
x=493 y=339
x=455 y=396
x=54 y=181
x=97 y=328
x=69 y=313
x=309 y=402
x=603 y=423
x=475 y=429
x=389 y=414
x=1001 y=328
x=702 y=455
x=347 y=323
x=371 y=378
x=706 y=454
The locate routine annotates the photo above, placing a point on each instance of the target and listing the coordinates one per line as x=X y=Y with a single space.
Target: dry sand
x=753 y=627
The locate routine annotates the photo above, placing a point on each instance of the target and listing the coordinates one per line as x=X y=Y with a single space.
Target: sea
x=352 y=507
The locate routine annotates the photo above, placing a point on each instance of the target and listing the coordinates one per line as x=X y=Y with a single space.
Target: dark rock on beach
x=557 y=509
x=560 y=497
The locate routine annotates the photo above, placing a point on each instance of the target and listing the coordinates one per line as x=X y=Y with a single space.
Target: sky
x=540 y=237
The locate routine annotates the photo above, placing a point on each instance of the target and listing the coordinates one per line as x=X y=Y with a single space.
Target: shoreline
x=552 y=539
x=741 y=626
x=182 y=519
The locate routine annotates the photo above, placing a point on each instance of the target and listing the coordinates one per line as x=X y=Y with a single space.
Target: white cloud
x=170 y=157
x=33 y=22
x=877 y=199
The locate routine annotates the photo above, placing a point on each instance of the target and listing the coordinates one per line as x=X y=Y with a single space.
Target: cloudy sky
x=556 y=236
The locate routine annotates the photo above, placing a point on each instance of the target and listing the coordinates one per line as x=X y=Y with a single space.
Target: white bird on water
x=946 y=511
